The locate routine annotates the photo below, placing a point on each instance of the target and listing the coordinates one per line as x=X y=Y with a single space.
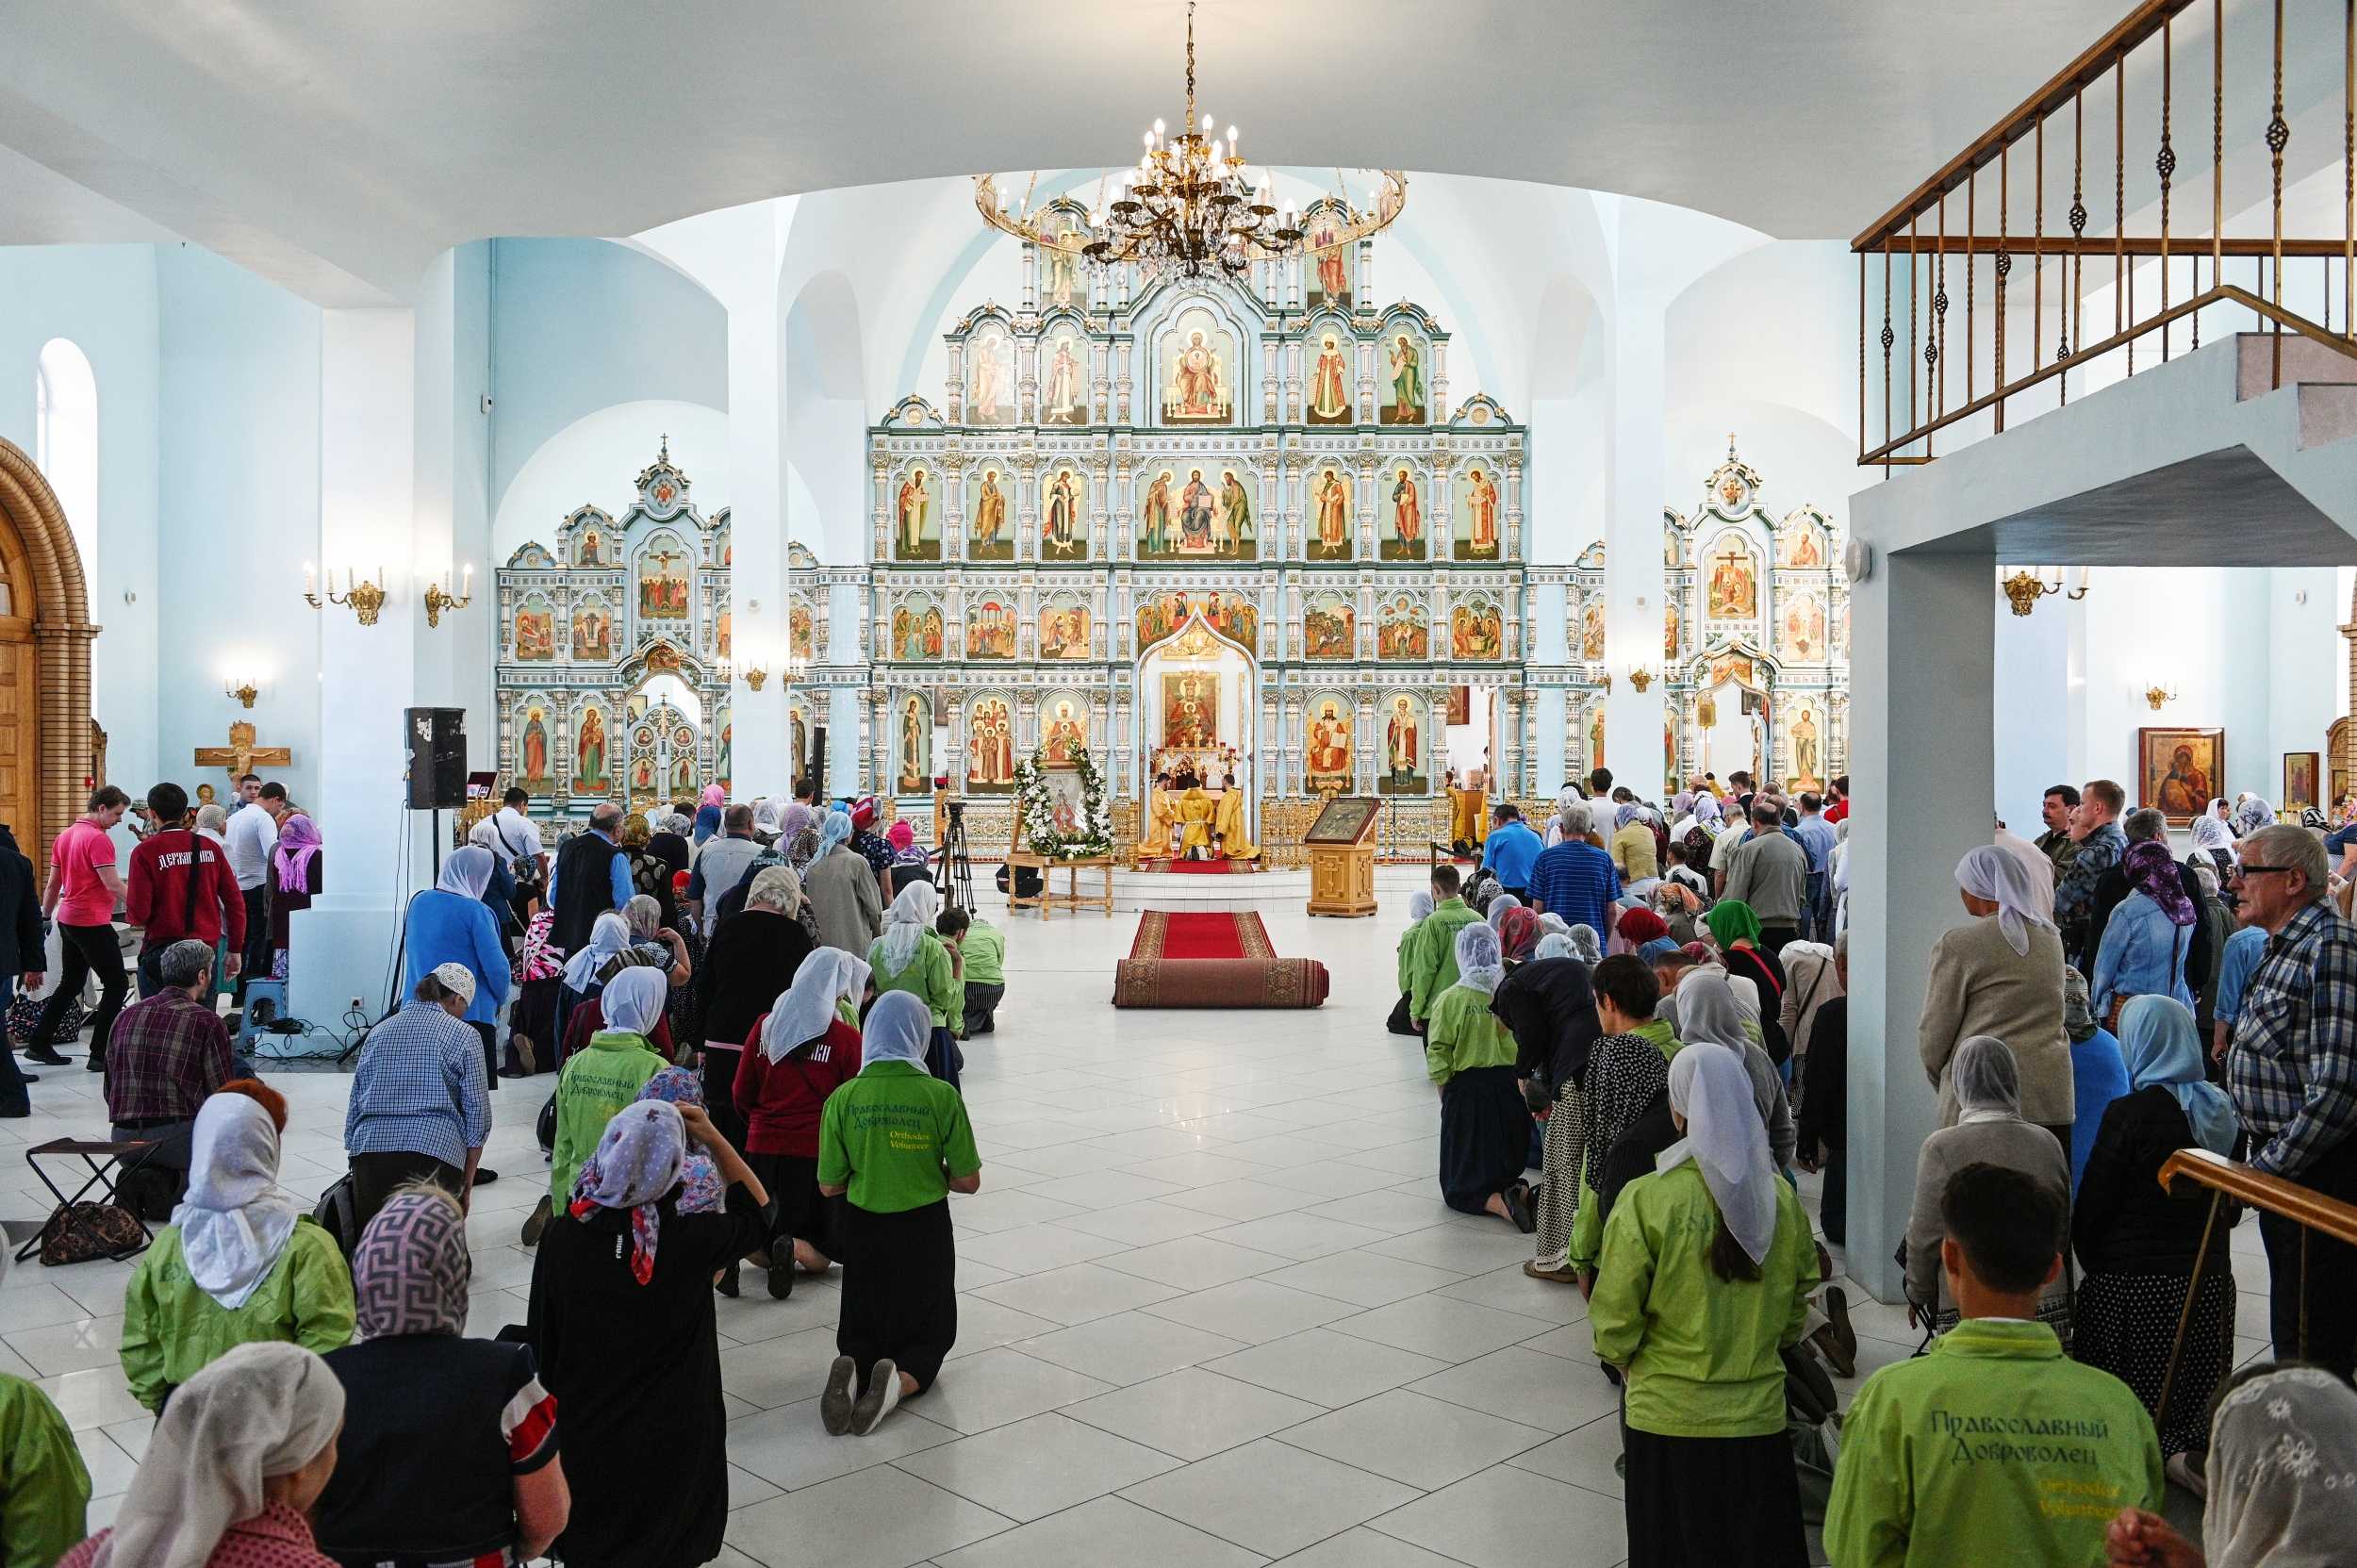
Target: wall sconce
x=245 y=688
x=2028 y=584
x=2157 y=695
x=365 y=595
x=756 y=677
x=1607 y=680
x=438 y=599
x=1641 y=678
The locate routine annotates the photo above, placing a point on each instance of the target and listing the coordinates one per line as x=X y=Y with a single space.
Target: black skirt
x=802 y=1214
x=2127 y=1323
x=1485 y=1136
x=1752 y=1518
x=899 y=1290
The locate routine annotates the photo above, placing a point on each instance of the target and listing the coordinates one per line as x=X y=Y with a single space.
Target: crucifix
x=240 y=755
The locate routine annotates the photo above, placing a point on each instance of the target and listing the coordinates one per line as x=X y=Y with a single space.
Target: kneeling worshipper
x=237 y=1263
x=909 y=957
x=1485 y=1124
x=799 y=1053
x=1419 y=905
x=622 y=1315
x=1625 y=1105
x=2139 y=1242
x=45 y=1506
x=449 y=1447
x=1709 y=1014
x=232 y=1469
x=1551 y=1011
x=897 y=1143
x=601 y=1080
x=2281 y=1475
x=1195 y=820
x=753 y=954
x=1707 y=1268
x=418 y=1109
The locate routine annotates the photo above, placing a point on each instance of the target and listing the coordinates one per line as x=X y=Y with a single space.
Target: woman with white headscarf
x=2139 y=1242
x=1709 y=1014
x=908 y=956
x=450 y=924
x=622 y=1315
x=605 y=1075
x=1469 y=1054
x=2280 y=1478
x=2215 y=841
x=613 y=948
x=239 y=1261
x=798 y=1052
x=896 y=1142
x=232 y=1469
x=1419 y=905
x=1989 y=1130
x=1698 y=1330
x=2251 y=813
x=2000 y=974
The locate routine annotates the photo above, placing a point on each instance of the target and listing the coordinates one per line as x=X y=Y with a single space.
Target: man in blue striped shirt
x=1575 y=880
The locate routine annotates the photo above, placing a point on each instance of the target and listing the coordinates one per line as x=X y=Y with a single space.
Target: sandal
x=1559 y=1276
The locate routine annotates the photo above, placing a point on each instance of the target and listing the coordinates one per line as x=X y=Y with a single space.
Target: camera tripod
x=957 y=868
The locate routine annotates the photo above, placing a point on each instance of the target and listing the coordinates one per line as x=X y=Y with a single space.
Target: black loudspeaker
x=819 y=758
x=435 y=740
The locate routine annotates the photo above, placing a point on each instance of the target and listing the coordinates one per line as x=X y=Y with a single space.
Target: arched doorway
x=1199 y=697
x=45 y=633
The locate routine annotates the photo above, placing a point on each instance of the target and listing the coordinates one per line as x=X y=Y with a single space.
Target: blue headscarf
x=1656 y=950
x=2158 y=1041
x=835 y=829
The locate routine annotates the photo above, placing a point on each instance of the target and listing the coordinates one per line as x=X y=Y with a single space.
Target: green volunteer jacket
x=172 y=1330
x=928 y=978
x=1995 y=1449
x=1701 y=1351
x=1463 y=1033
x=593 y=1085
x=44 y=1487
x=1433 y=970
x=986 y=949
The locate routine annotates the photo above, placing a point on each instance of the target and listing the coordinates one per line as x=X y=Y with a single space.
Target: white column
x=1922 y=723
x=1632 y=539
x=368 y=674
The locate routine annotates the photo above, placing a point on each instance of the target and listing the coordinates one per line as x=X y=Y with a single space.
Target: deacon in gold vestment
x=1235 y=837
x=1154 y=843
x=1194 y=822
x=1468 y=821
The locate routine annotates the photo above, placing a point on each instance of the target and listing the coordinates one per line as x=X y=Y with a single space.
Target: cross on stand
x=241 y=756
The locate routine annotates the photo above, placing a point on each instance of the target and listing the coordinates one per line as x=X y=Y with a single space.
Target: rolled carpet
x=1270 y=983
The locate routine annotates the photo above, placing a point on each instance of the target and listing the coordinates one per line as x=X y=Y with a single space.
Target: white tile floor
x=1214 y=1311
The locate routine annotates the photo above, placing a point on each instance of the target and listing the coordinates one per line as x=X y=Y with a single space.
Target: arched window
x=65 y=443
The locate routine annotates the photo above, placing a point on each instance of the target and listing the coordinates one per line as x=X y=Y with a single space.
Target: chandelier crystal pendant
x=1192 y=206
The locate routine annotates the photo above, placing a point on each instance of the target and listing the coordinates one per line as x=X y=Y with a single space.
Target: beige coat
x=2015 y=1145
x=1980 y=985
x=844 y=900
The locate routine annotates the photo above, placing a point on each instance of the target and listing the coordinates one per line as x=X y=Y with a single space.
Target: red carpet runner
x=1221 y=935
x=1201 y=867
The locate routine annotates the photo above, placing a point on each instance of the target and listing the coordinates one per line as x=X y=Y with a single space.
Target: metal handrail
x=2312 y=1211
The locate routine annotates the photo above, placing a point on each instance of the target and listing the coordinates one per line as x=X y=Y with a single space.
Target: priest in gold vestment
x=1154 y=843
x=1194 y=822
x=1228 y=826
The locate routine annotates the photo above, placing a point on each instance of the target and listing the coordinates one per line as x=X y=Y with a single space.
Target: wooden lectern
x=1341 y=847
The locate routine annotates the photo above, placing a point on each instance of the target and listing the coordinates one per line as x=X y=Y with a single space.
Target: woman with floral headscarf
x=1470 y=1055
x=448 y=1449
x=2150 y=935
x=1518 y=933
x=622 y=1315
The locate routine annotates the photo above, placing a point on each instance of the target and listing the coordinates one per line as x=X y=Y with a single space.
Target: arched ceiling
x=339 y=148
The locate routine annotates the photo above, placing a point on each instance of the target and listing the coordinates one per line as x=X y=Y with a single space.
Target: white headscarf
x=1987 y=1079
x=2035 y=868
x=234 y=1222
x=1707 y=1011
x=633 y=999
x=2211 y=832
x=2283 y=1472
x=467 y=872
x=1585 y=945
x=2251 y=813
x=1727 y=1142
x=906 y=922
x=486 y=835
x=1498 y=906
x=1419 y=904
x=1988 y=872
x=264 y=1409
x=899 y=1027
x=609 y=936
x=805 y=1008
x=1478 y=963
x=1553 y=945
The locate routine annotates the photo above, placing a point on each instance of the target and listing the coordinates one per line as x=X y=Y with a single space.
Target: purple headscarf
x=411 y=1272
x=298 y=842
x=640 y=1157
x=700 y=1192
x=2151 y=870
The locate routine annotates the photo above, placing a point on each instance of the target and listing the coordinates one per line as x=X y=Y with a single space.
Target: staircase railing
x=1969 y=220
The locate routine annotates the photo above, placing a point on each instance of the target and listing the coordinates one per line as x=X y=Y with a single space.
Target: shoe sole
x=883 y=1394
x=834 y=1405
x=781 y=1282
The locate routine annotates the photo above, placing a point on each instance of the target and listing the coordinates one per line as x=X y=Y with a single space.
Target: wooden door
x=19 y=704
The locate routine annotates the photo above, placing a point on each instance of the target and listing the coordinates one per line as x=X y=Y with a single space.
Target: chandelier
x=1191 y=204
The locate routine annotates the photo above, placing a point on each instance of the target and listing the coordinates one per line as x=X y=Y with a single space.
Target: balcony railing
x=1999 y=209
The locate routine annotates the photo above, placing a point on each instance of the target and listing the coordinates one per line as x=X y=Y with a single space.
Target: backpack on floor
x=336 y=1211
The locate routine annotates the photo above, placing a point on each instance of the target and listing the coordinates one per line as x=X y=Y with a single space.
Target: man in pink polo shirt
x=83 y=890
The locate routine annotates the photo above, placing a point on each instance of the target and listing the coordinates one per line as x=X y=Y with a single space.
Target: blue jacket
x=2143 y=953
x=1509 y=852
x=2099 y=1075
x=450 y=928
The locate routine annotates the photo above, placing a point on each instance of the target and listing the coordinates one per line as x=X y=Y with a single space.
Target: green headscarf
x=1731 y=920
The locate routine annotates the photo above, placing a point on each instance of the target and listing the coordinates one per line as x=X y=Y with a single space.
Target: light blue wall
x=103 y=297
x=578 y=324
x=239 y=514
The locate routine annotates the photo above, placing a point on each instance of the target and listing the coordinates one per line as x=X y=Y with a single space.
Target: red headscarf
x=1641 y=926
x=1518 y=933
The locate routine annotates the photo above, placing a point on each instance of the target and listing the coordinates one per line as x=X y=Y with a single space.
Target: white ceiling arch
x=338 y=149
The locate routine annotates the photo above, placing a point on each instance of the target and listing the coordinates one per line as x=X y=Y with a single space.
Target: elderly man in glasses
x=2293 y=1072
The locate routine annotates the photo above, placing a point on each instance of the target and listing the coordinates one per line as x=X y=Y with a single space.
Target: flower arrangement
x=1084 y=834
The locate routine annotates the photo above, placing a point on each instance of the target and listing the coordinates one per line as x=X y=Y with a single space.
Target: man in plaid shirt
x=173 y=1051
x=2293 y=1073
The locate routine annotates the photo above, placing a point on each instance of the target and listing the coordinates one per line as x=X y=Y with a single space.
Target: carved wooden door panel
x=19 y=713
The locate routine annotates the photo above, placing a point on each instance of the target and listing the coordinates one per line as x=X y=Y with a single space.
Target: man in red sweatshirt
x=180 y=886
